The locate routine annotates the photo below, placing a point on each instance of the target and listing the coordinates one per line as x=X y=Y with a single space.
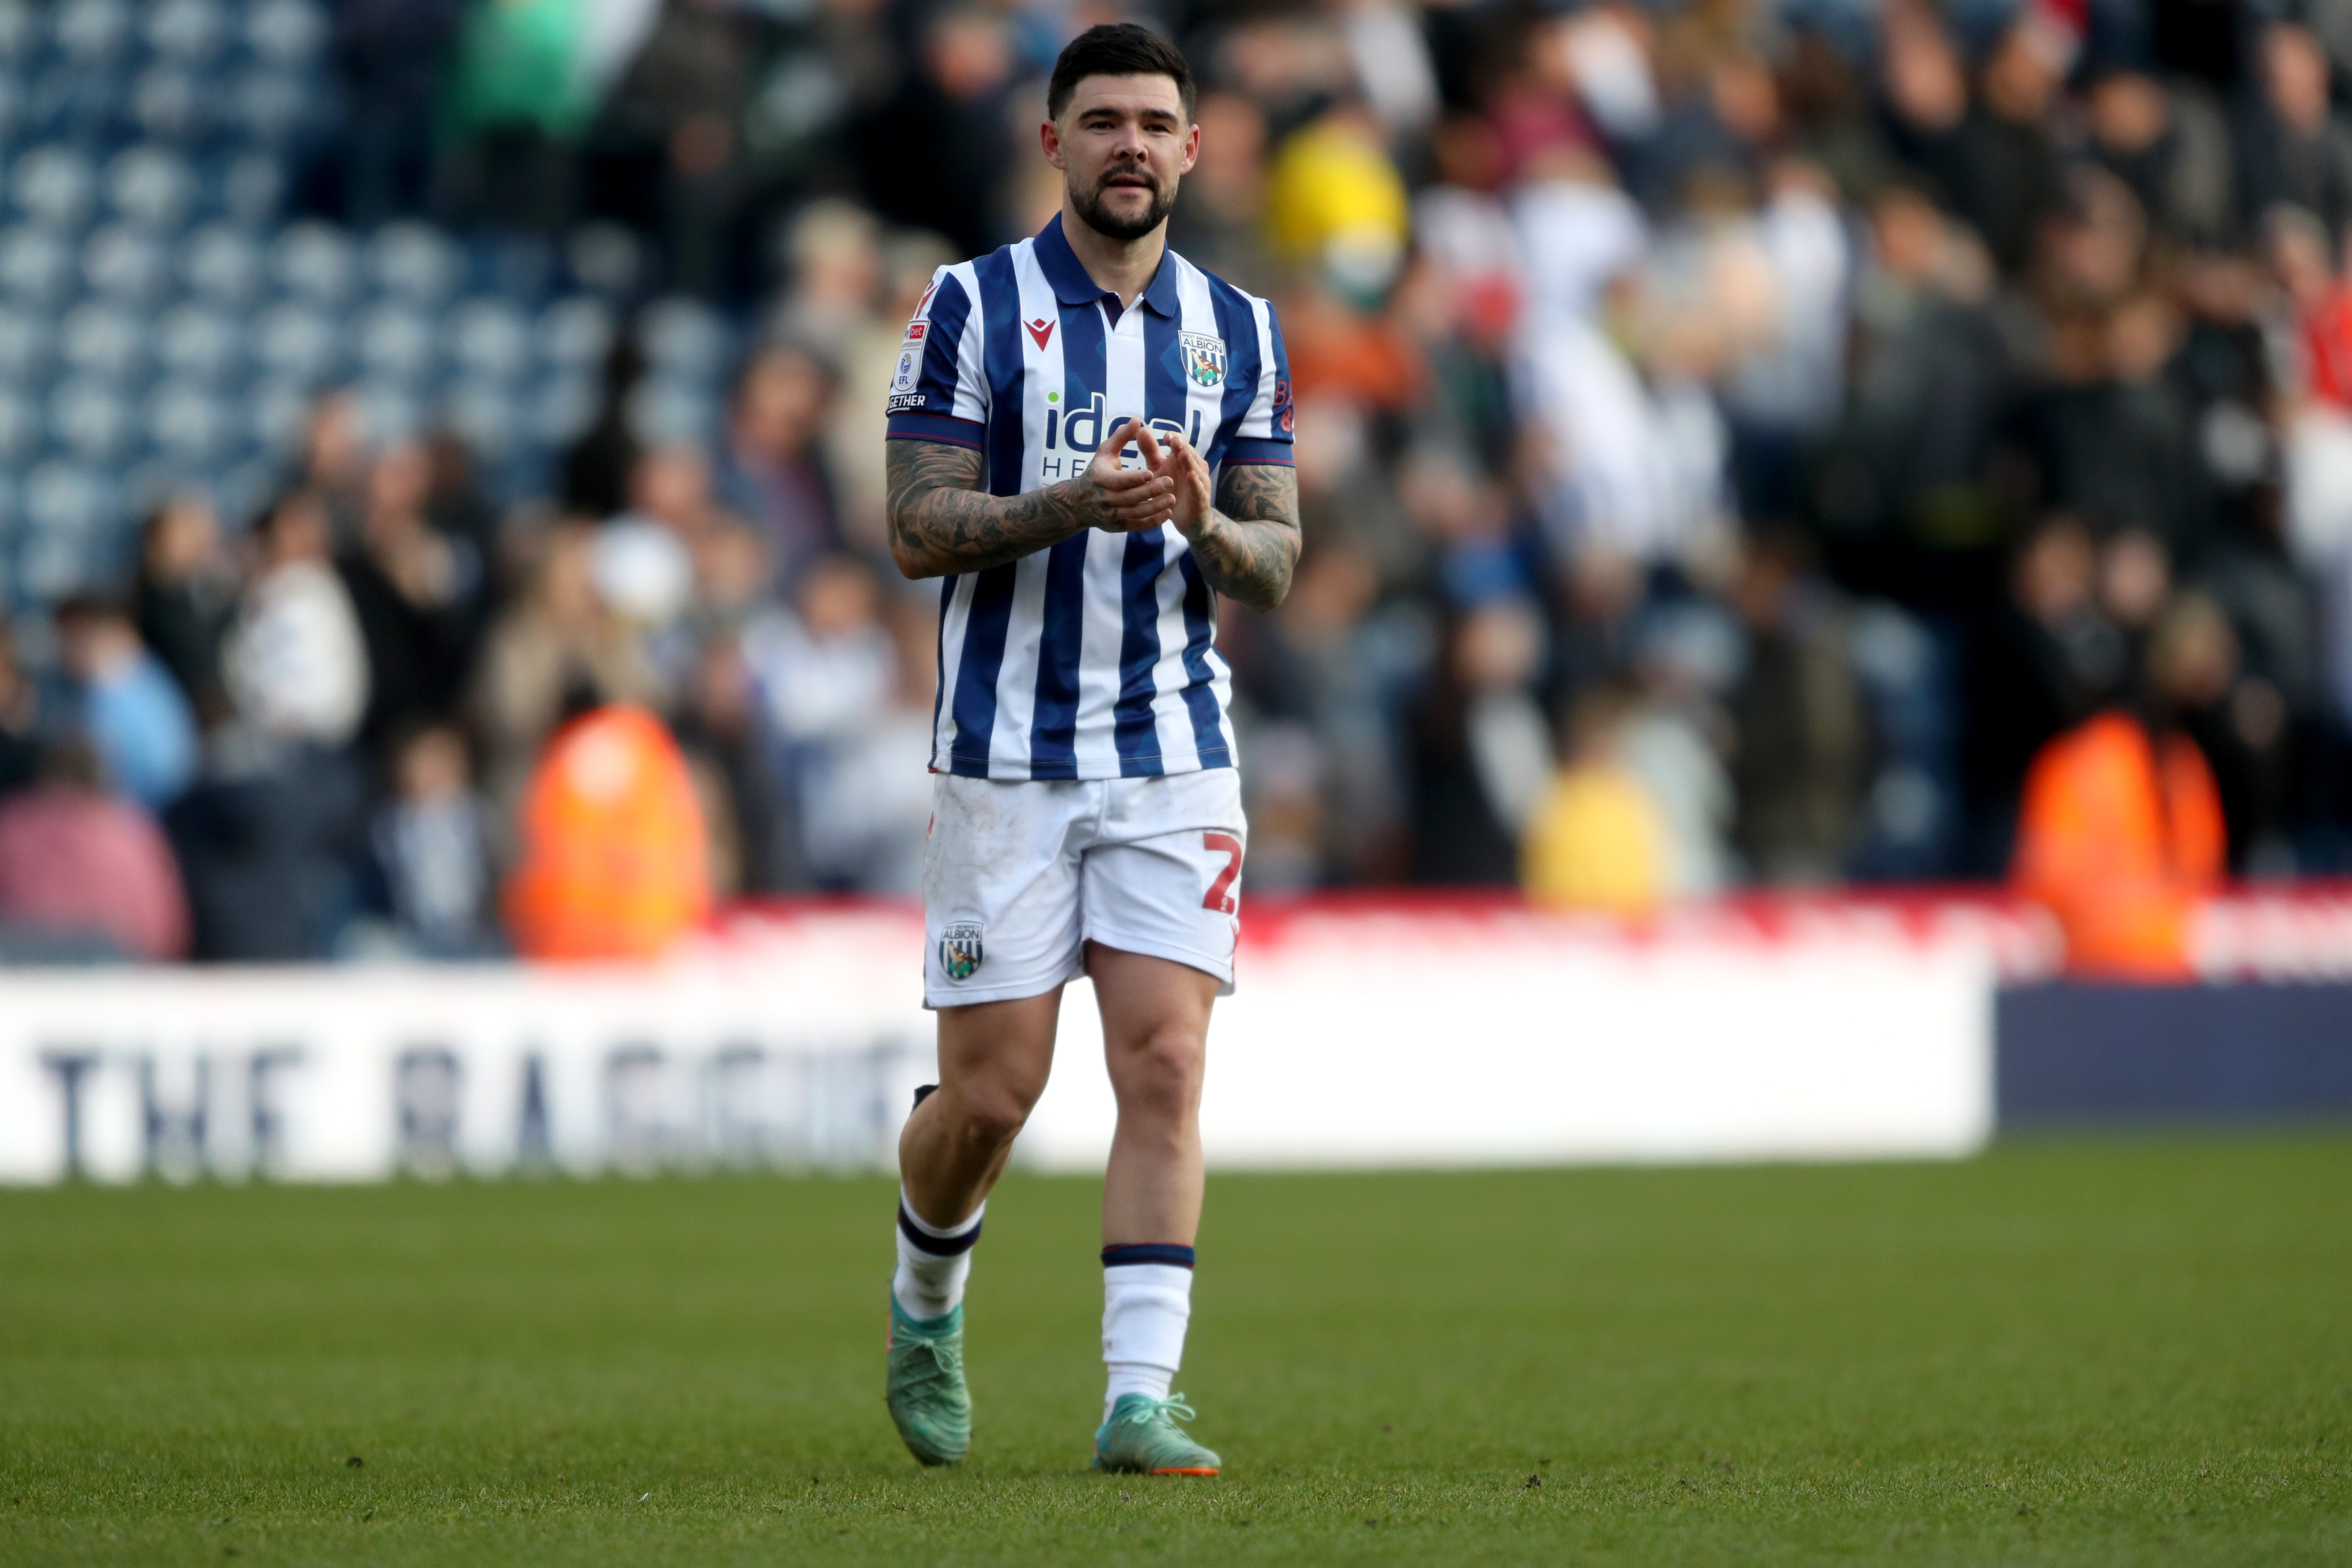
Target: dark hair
x=1117 y=48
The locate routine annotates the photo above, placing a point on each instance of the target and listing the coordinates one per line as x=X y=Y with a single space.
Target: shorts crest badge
x=1204 y=357
x=960 y=949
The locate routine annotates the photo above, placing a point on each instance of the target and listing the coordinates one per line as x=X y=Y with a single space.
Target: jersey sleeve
x=1263 y=434
x=940 y=390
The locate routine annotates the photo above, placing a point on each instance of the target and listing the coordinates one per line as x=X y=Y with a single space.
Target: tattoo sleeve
x=941 y=521
x=1248 y=546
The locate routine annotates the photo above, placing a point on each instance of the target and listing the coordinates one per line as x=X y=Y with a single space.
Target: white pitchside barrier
x=1422 y=1033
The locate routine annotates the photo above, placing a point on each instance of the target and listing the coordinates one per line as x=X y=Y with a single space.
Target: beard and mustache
x=1090 y=208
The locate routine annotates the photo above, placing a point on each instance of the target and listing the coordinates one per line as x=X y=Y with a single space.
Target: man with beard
x=1089 y=442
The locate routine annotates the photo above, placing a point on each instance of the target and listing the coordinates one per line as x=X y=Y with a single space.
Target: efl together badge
x=1204 y=357
x=960 y=949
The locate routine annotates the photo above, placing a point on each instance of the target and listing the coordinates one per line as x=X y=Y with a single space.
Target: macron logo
x=1041 y=328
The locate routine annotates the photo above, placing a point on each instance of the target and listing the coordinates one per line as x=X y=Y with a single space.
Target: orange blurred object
x=2121 y=836
x=2326 y=331
x=615 y=861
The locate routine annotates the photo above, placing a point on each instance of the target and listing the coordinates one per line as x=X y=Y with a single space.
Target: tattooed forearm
x=1248 y=546
x=941 y=521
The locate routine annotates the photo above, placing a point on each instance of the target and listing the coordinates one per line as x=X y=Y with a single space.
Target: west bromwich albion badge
x=959 y=949
x=1204 y=357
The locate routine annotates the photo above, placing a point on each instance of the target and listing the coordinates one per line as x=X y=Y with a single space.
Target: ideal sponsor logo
x=1072 y=437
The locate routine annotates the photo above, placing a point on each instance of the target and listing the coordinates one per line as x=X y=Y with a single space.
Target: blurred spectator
x=936 y=155
x=2048 y=660
x=430 y=850
x=126 y=702
x=614 y=856
x=2291 y=150
x=81 y=873
x=773 y=472
x=559 y=650
x=418 y=595
x=294 y=661
x=392 y=57
x=828 y=672
x=1802 y=736
x=184 y=597
x=853 y=444
x=20 y=709
x=1597 y=839
x=1481 y=749
x=519 y=100
x=2121 y=830
x=671 y=137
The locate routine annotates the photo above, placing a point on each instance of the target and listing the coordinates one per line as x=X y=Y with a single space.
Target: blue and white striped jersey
x=1094 y=658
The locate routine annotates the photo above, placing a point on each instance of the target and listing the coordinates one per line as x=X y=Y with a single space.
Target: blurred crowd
x=1736 y=438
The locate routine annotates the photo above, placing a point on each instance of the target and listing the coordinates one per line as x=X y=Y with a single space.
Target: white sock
x=1145 y=1308
x=933 y=1261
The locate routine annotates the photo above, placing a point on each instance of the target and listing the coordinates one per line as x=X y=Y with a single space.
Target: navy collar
x=1072 y=286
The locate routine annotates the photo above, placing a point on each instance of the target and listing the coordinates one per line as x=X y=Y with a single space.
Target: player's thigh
x=1155 y=1018
x=996 y=1055
x=1000 y=889
x=1163 y=877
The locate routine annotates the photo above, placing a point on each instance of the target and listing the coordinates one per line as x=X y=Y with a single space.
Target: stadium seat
x=391 y=411
x=487 y=419
x=286 y=33
x=90 y=33
x=297 y=343
x=27 y=343
x=104 y=342
x=20 y=427
x=36 y=267
x=606 y=260
x=575 y=334
x=192 y=421
x=151 y=187
x=248 y=187
x=168 y=103
x=683 y=339
x=92 y=421
x=53 y=185
x=562 y=410
x=396 y=343
x=488 y=341
x=315 y=261
x=241 y=491
x=276 y=412
x=662 y=412
x=12 y=109
x=190 y=31
x=20 y=31
x=120 y=262
x=415 y=261
x=222 y=264
x=266 y=104
x=200 y=344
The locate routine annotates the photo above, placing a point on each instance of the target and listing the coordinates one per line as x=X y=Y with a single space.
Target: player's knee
x=1161 y=1075
x=994 y=1115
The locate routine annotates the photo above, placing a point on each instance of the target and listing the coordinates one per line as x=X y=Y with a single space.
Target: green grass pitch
x=2068 y=1352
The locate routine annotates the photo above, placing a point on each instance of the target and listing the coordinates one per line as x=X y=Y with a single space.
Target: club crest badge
x=960 y=949
x=1204 y=357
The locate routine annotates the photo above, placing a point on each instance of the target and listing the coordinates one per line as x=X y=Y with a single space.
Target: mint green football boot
x=1142 y=1437
x=928 y=1401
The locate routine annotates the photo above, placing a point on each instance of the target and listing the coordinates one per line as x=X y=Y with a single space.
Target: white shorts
x=1018 y=877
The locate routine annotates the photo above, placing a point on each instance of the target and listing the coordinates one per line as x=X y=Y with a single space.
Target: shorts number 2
x=1221 y=898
